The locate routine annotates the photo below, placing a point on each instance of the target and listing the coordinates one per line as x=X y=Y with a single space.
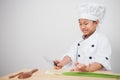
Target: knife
x=50 y=61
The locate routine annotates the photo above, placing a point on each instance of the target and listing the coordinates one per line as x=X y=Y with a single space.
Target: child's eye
x=86 y=23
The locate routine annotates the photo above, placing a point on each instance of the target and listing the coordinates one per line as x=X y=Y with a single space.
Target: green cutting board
x=91 y=74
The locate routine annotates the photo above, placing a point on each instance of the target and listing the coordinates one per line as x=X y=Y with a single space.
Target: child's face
x=87 y=26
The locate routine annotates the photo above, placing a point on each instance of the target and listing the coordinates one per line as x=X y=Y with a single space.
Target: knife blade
x=50 y=61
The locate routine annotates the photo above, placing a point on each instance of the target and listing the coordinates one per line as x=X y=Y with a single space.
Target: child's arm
x=89 y=68
x=64 y=61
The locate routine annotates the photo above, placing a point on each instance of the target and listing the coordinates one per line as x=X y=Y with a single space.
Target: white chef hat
x=91 y=11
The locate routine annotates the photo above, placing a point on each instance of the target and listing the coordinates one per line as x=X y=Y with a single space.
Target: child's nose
x=83 y=26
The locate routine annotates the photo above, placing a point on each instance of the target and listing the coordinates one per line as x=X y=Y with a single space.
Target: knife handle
x=55 y=64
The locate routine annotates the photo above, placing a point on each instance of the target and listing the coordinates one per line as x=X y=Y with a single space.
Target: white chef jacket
x=96 y=48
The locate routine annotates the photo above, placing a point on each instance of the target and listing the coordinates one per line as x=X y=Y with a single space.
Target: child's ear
x=97 y=22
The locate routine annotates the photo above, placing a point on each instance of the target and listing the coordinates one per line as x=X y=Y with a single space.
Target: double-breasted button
x=78 y=44
x=106 y=58
x=78 y=55
x=90 y=57
x=92 y=45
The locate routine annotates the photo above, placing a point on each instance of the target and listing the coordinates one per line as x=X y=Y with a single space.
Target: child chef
x=92 y=51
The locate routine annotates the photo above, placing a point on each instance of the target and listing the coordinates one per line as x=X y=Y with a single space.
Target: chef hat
x=91 y=11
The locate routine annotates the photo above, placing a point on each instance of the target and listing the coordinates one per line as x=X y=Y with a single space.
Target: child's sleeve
x=104 y=53
x=72 y=51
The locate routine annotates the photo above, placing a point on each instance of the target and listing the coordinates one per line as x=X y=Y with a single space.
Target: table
x=54 y=75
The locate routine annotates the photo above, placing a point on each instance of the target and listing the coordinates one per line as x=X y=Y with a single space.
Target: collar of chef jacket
x=89 y=39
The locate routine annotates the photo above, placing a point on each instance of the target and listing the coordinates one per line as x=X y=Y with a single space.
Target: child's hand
x=79 y=67
x=58 y=64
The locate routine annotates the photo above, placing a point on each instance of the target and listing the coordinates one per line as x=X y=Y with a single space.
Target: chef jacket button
x=90 y=57
x=78 y=44
x=106 y=58
x=78 y=55
x=92 y=45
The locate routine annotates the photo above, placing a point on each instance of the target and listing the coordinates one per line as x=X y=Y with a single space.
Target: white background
x=31 y=29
